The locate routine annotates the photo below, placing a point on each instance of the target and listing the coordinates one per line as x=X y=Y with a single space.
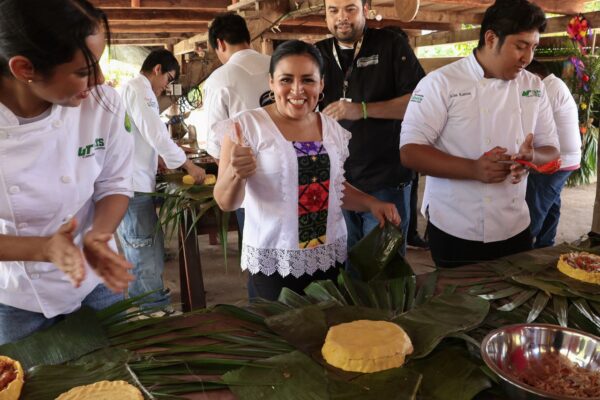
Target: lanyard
x=357 y=47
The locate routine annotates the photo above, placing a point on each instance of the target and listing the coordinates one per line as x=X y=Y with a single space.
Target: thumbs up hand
x=242 y=159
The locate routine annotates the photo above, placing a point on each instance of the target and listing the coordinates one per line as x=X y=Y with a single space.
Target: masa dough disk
x=103 y=390
x=366 y=346
x=13 y=390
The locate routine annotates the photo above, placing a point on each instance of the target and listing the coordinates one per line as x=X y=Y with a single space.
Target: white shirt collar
x=475 y=66
x=240 y=54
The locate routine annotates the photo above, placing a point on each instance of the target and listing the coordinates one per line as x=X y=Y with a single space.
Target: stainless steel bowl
x=530 y=341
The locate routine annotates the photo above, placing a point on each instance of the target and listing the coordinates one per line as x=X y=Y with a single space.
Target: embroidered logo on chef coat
x=366 y=61
x=151 y=103
x=127 y=123
x=90 y=149
x=532 y=93
x=416 y=98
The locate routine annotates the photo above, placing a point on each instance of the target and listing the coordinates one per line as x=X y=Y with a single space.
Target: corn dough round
x=366 y=346
x=103 y=390
x=567 y=264
x=13 y=390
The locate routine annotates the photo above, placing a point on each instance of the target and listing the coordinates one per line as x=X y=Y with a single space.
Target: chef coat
x=150 y=135
x=458 y=111
x=51 y=170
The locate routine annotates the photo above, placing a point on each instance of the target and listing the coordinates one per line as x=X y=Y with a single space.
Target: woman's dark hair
x=48 y=32
x=165 y=58
x=231 y=28
x=296 y=48
x=509 y=17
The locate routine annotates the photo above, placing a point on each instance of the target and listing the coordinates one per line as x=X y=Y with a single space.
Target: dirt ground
x=228 y=284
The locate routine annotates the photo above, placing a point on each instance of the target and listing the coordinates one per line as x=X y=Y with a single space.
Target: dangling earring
x=321 y=96
x=272 y=96
x=29 y=80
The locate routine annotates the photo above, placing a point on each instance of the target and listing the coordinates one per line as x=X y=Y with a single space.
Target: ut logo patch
x=532 y=93
x=86 y=151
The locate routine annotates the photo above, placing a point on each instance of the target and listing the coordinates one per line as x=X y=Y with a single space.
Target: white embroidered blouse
x=271 y=239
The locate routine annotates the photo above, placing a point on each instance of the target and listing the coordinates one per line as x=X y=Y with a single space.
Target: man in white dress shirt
x=543 y=191
x=240 y=82
x=464 y=126
x=140 y=235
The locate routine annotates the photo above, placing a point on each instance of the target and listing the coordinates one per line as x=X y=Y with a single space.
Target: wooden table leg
x=193 y=295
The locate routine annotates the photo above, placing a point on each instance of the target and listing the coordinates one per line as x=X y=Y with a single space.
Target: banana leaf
x=450 y=374
x=428 y=324
x=394 y=384
x=305 y=328
x=290 y=376
x=292 y=299
x=78 y=334
x=46 y=382
x=374 y=251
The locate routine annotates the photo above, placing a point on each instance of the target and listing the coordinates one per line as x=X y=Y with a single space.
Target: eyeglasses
x=171 y=77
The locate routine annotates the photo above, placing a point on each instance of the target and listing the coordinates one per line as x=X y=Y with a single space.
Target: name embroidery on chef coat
x=90 y=149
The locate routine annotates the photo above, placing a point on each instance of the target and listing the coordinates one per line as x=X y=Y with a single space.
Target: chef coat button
x=23 y=225
x=14 y=189
x=65 y=179
x=56 y=123
x=35 y=276
x=488 y=141
x=3 y=135
x=517 y=141
x=487 y=199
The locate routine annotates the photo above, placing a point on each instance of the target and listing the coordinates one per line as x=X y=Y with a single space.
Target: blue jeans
x=361 y=223
x=143 y=243
x=543 y=200
x=16 y=323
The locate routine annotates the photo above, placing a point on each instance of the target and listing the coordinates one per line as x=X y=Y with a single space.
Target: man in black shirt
x=369 y=77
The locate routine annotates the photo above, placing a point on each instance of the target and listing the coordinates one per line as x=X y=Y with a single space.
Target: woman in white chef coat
x=65 y=169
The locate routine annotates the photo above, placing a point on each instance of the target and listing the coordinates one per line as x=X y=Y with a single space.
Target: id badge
x=349 y=100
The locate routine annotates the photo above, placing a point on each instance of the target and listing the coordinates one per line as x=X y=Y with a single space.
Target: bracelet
x=364 y=108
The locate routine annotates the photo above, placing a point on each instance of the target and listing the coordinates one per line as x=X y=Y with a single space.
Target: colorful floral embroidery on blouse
x=313 y=193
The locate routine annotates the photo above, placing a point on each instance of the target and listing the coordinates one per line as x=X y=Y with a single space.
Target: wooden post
x=267 y=46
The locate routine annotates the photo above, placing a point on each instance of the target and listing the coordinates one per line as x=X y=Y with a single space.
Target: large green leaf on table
x=78 y=334
x=304 y=328
x=373 y=252
x=450 y=374
x=46 y=382
x=288 y=376
x=393 y=384
x=428 y=324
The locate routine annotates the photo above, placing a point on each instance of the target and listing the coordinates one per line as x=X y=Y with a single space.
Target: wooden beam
x=155 y=15
x=449 y=17
x=153 y=36
x=189 y=45
x=154 y=27
x=308 y=37
x=244 y=5
x=557 y=24
x=166 y=4
x=553 y=6
x=147 y=43
x=319 y=21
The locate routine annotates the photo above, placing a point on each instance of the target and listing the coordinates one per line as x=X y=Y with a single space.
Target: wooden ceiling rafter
x=152 y=17
x=555 y=25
